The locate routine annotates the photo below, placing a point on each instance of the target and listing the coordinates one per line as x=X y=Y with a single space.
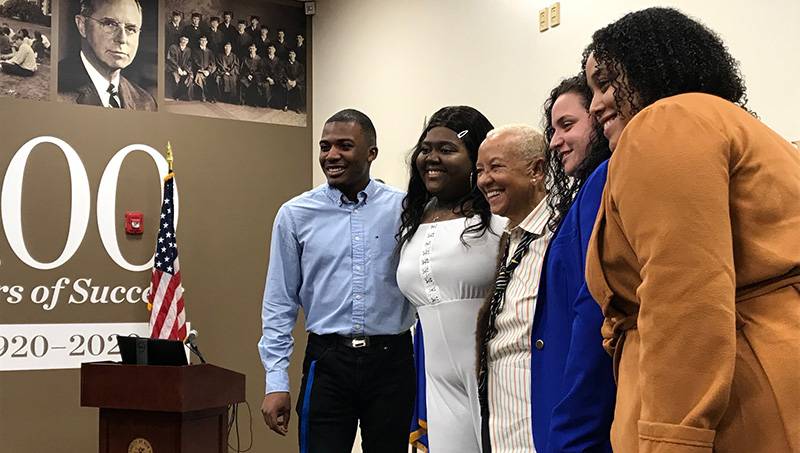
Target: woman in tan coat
x=695 y=255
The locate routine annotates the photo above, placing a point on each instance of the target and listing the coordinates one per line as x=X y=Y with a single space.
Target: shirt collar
x=535 y=222
x=100 y=83
x=339 y=198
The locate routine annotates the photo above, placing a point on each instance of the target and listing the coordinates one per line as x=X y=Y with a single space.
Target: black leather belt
x=360 y=341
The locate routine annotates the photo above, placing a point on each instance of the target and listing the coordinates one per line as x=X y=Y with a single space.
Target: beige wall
x=400 y=61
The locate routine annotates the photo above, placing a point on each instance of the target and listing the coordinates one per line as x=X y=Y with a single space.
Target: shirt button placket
x=359 y=258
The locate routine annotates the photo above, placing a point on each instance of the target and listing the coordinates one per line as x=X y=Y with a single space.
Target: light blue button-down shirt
x=335 y=259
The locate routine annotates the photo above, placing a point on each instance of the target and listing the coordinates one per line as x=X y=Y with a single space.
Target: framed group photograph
x=243 y=60
x=25 y=48
x=236 y=59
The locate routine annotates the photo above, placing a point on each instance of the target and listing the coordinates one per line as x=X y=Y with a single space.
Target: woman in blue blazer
x=572 y=381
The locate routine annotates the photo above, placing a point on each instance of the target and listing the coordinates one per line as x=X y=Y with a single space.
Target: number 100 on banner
x=62 y=346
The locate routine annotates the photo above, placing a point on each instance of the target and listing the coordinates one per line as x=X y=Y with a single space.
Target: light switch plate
x=543 y=19
x=555 y=14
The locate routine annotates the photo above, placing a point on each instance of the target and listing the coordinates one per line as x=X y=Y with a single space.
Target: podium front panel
x=123 y=430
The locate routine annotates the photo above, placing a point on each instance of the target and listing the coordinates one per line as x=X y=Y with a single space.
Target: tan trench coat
x=691 y=260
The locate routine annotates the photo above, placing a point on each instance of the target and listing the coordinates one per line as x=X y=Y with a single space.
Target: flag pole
x=170 y=159
x=166 y=291
x=169 y=156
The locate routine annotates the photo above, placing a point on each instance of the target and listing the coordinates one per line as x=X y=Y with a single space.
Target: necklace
x=441 y=215
x=441 y=212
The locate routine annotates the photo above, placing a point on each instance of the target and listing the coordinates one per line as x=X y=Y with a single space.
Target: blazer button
x=539 y=344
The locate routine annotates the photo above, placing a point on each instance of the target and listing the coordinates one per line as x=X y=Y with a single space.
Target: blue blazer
x=572 y=381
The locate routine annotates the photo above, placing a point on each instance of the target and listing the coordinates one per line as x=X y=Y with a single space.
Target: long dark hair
x=662 y=52
x=561 y=189
x=456 y=118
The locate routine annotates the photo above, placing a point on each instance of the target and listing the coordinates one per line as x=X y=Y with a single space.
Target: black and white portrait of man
x=107 y=37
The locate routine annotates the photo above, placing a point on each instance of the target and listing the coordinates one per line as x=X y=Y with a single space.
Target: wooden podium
x=162 y=409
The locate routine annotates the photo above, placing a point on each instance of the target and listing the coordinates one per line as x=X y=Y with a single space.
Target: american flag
x=167 y=315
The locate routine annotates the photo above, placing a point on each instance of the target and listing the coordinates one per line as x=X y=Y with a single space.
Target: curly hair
x=561 y=188
x=458 y=119
x=660 y=52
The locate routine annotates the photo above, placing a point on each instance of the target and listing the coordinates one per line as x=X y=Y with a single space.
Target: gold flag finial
x=169 y=155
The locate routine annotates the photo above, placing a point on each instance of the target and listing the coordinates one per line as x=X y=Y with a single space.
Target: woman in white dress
x=449 y=242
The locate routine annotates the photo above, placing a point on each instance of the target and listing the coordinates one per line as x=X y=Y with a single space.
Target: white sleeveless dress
x=447 y=282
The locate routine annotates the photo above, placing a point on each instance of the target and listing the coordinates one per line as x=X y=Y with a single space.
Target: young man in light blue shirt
x=333 y=255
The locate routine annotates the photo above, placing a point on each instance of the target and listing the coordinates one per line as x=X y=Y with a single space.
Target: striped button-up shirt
x=510 y=350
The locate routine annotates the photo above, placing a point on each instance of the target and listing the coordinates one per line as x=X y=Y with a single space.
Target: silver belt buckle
x=358 y=342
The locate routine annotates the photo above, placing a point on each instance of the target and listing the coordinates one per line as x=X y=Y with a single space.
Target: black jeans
x=341 y=386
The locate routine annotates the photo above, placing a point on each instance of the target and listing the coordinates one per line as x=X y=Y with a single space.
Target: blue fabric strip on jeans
x=306 y=408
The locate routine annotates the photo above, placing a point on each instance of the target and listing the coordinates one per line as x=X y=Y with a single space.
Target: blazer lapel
x=88 y=95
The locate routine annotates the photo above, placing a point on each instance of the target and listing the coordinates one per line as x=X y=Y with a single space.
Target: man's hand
x=270 y=81
x=276 y=408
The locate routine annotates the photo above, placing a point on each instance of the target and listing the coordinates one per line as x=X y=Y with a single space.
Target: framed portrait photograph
x=108 y=53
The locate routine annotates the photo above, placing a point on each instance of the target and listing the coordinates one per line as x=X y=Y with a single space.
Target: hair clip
x=462 y=133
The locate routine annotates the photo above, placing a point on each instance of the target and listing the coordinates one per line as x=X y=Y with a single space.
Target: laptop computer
x=151 y=351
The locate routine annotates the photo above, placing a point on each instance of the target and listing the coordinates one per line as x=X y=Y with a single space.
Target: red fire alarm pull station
x=134 y=222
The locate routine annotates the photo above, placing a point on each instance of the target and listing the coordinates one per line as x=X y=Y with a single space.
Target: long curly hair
x=561 y=188
x=456 y=118
x=660 y=52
